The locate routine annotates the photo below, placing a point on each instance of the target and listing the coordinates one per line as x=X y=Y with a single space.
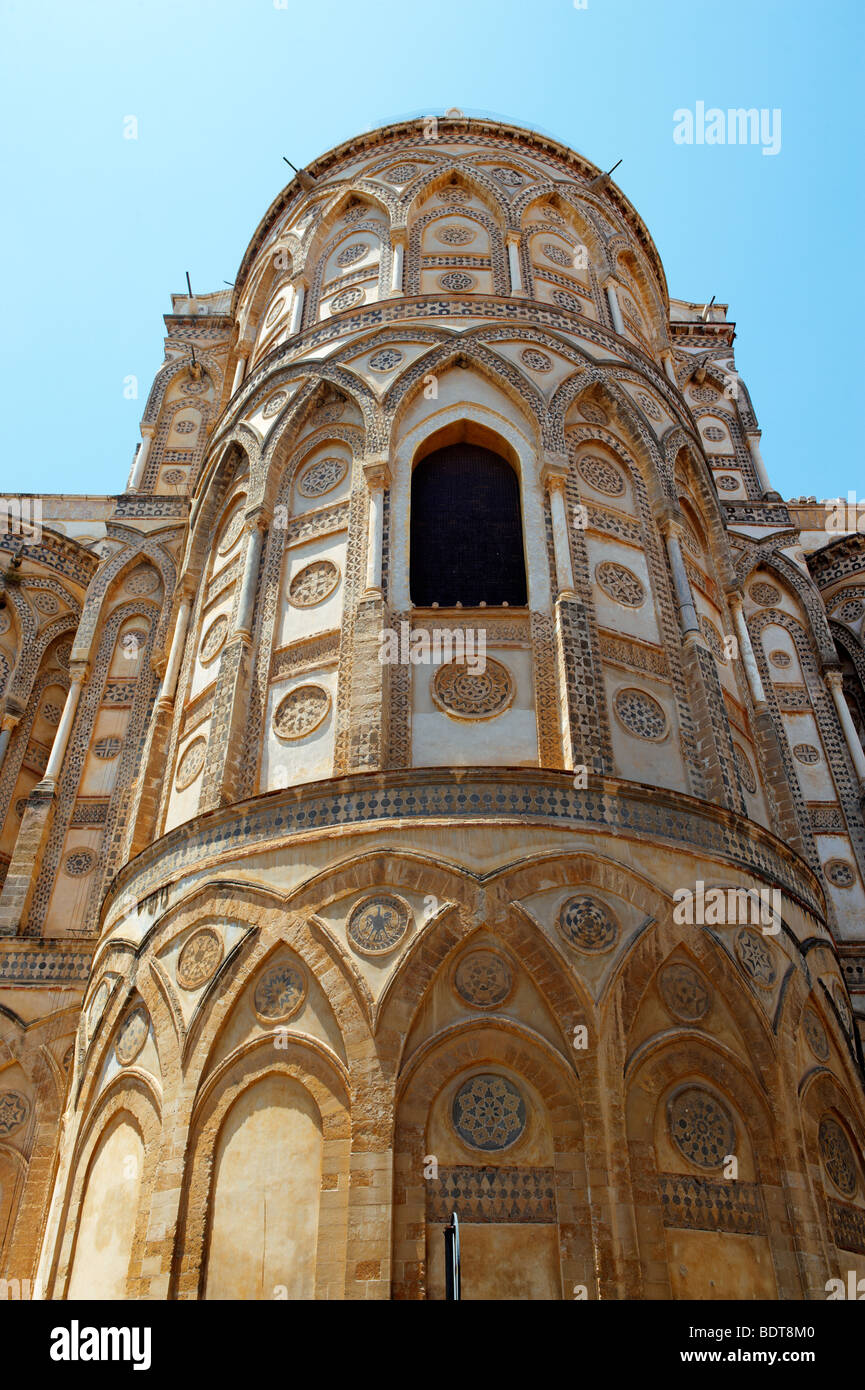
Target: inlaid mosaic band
x=504 y=795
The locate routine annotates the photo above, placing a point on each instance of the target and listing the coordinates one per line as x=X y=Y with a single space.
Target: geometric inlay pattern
x=301 y=711
x=313 y=584
x=588 y=925
x=701 y=1127
x=199 y=958
x=461 y=692
x=815 y=1035
x=132 y=1036
x=483 y=979
x=840 y=872
x=684 y=992
x=79 y=862
x=641 y=715
x=279 y=993
x=488 y=1113
x=322 y=477
x=746 y=772
x=806 y=753
x=837 y=1156
x=14 y=1109
x=107 y=748
x=190 y=764
x=601 y=475
x=504 y=1195
x=756 y=958
x=702 y=1204
x=620 y=583
x=377 y=925
x=766 y=595
x=214 y=638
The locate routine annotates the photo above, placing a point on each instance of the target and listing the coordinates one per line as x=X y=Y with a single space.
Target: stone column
x=835 y=683
x=77 y=676
x=240 y=370
x=514 y=263
x=759 y=465
x=554 y=477
x=615 y=310
x=223 y=768
x=377 y=477
x=766 y=737
x=149 y=781
x=685 y=599
x=169 y=680
x=7 y=727
x=746 y=651
x=397 y=241
x=258 y=521
x=37 y=819
x=140 y=464
x=297 y=307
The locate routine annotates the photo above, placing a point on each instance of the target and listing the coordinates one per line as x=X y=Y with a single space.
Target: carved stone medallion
x=377 y=925
x=301 y=711
x=489 y=1113
x=483 y=979
x=461 y=692
x=279 y=993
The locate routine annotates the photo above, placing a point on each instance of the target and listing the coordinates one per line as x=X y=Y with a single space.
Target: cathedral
x=435 y=783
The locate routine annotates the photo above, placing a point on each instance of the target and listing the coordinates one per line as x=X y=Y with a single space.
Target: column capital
x=258 y=518
x=834 y=678
x=147 y=431
x=9 y=721
x=399 y=235
x=79 y=671
x=554 y=472
x=186 y=587
x=376 y=472
x=512 y=236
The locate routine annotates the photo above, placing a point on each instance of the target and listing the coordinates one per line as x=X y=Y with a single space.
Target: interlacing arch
x=835 y=748
x=769 y=557
x=106 y=584
x=486 y=220
x=455 y=172
x=504 y=374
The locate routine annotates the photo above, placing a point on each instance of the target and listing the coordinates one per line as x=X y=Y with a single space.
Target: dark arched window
x=466 y=530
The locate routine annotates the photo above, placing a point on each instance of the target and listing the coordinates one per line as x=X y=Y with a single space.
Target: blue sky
x=98 y=230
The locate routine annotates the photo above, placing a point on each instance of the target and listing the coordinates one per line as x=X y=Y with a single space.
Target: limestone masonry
x=436 y=782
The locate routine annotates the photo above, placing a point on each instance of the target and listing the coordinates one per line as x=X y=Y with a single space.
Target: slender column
x=141 y=457
x=684 y=597
x=759 y=465
x=297 y=308
x=244 y=350
x=669 y=366
x=257 y=521
x=7 y=727
x=377 y=479
x=835 y=683
x=615 y=310
x=554 y=477
x=169 y=680
x=746 y=651
x=397 y=262
x=77 y=674
x=514 y=263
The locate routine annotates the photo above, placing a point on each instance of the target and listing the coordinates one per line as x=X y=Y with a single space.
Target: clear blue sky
x=98 y=230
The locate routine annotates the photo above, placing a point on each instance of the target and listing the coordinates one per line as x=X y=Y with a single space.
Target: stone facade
x=301 y=948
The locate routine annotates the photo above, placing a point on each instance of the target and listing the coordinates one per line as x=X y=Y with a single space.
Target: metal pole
x=452 y=1260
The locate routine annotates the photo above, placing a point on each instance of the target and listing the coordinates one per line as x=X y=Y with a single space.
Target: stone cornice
x=519 y=796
